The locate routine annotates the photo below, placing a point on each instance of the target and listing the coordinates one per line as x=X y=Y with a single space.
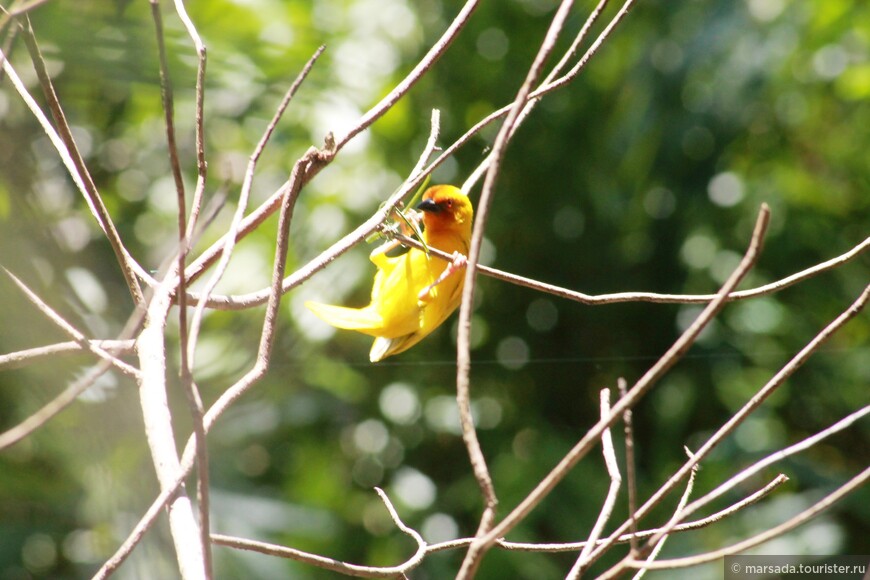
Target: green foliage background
x=646 y=173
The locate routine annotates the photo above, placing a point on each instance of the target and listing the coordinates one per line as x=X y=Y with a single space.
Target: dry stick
x=192 y=556
x=185 y=242
x=630 y=465
x=801 y=518
x=578 y=40
x=151 y=347
x=434 y=53
x=424 y=550
x=230 y=395
x=641 y=387
x=621 y=297
x=78 y=169
x=55 y=406
x=69 y=395
x=593 y=48
x=24 y=357
x=463 y=347
x=337 y=565
x=269 y=206
x=199 y=115
x=194 y=400
x=244 y=195
x=313 y=161
x=231 y=237
x=548 y=84
x=750 y=471
x=778 y=379
x=317 y=560
x=68 y=328
x=429 y=148
x=660 y=539
x=303 y=170
x=257 y=298
x=610 y=500
x=633 y=537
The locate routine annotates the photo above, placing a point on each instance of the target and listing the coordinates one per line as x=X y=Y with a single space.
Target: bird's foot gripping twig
x=459 y=261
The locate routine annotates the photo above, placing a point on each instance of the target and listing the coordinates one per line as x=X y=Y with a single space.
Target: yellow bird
x=413 y=293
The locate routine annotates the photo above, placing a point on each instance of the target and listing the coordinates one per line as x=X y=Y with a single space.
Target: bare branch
x=230 y=238
x=610 y=501
x=630 y=466
x=68 y=328
x=431 y=144
x=269 y=206
x=336 y=565
x=191 y=391
x=781 y=376
x=641 y=387
x=159 y=432
x=424 y=550
x=758 y=466
x=422 y=67
x=55 y=406
x=852 y=485
x=657 y=542
x=463 y=340
x=201 y=166
x=72 y=157
x=253 y=299
x=24 y=357
x=621 y=297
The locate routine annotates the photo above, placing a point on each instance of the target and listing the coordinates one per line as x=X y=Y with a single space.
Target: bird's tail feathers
x=361 y=319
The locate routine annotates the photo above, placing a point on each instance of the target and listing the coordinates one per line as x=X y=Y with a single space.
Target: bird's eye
x=449 y=203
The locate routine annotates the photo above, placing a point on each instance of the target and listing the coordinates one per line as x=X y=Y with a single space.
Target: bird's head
x=445 y=207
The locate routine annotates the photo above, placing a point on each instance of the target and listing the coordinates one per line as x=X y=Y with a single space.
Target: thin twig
x=244 y=301
x=72 y=157
x=271 y=204
x=194 y=400
x=756 y=467
x=201 y=165
x=548 y=84
x=238 y=216
x=477 y=549
x=422 y=67
x=336 y=565
x=630 y=465
x=627 y=538
x=431 y=144
x=610 y=500
x=852 y=485
x=55 y=406
x=657 y=542
x=775 y=382
x=68 y=328
x=642 y=386
x=392 y=571
x=330 y=563
x=27 y=356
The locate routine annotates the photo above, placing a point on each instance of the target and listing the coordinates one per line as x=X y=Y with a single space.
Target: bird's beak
x=429 y=205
